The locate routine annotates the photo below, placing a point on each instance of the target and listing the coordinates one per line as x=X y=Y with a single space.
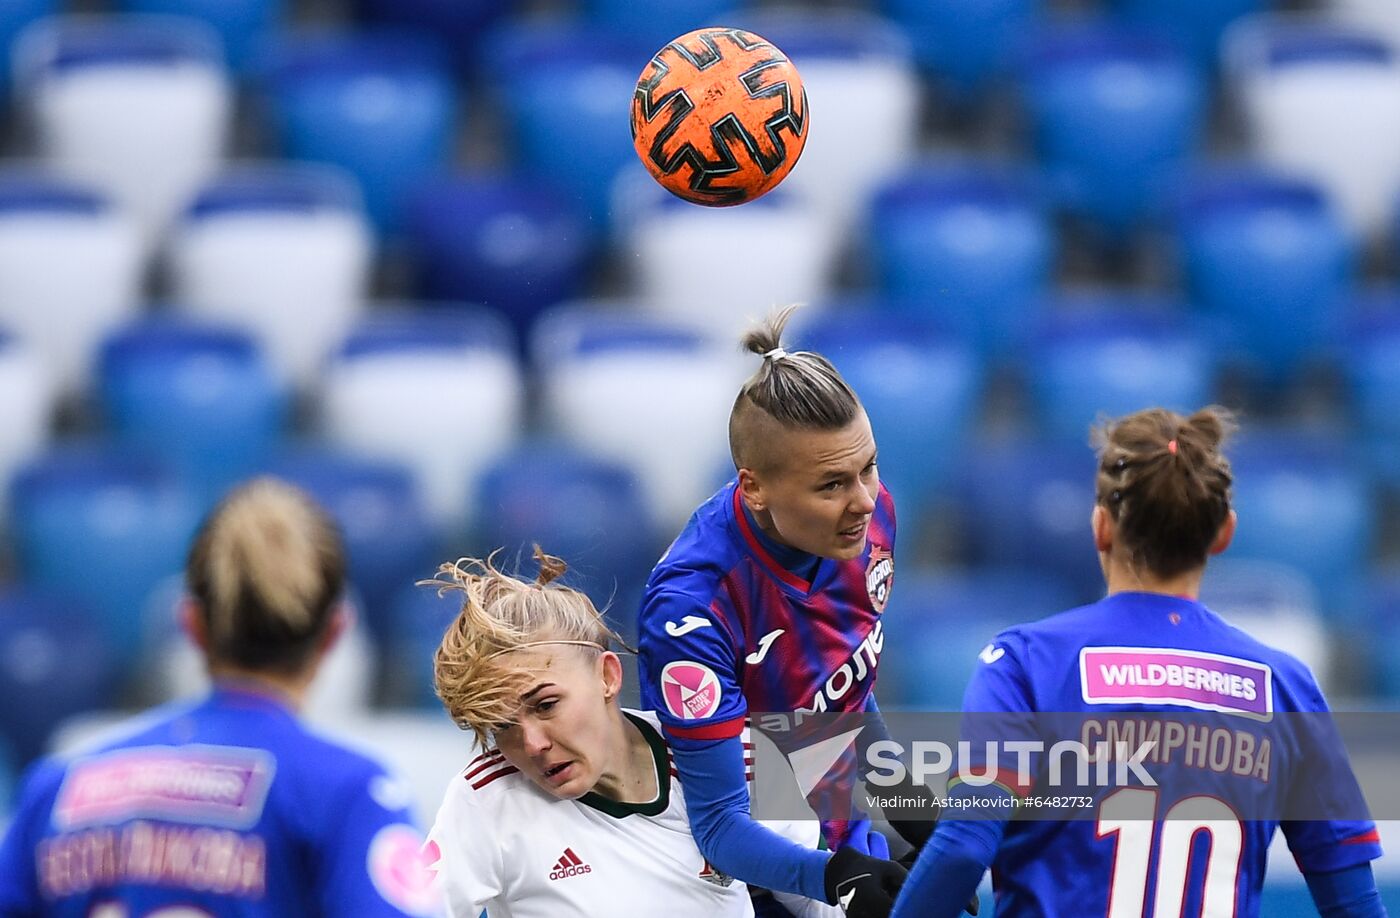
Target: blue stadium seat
x=1116 y=113
x=104 y=527
x=1381 y=627
x=283 y=251
x=1266 y=258
x=1196 y=25
x=48 y=224
x=201 y=395
x=938 y=622
x=439 y=391
x=1372 y=365
x=1304 y=501
x=388 y=541
x=657 y=22
x=1025 y=502
x=919 y=384
x=566 y=91
x=55 y=662
x=589 y=512
x=243 y=25
x=971 y=245
x=1113 y=354
x=646 y=393
x=965 y=44
x=505 y=241
x=457 y=24
x=15 y=15
x=420 y=617
x=378 y=104
x=140 y=106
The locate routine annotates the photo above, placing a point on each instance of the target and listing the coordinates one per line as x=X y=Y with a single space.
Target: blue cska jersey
x=726 y=629
x=225 y=808
x=1135 y=855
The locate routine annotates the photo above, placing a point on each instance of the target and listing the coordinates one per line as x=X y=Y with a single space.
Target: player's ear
x=751 y=490
x=192 y=623
x=1101 y=522
x=342 y=620
x=612 y=674
x=1224 y=535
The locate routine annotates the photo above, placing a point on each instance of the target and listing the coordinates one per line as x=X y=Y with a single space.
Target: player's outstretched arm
x=717 y=798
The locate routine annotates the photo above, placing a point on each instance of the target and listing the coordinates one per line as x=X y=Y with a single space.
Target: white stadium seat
x=437 y=389
x=138 y=105
x=281 y=251
x=719 y=269
x=70 y=270
x=863 y=89
x=647 y=393
x=25 y=409
x=1288 y=73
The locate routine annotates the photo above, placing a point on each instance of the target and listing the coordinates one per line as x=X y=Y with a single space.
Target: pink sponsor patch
x=399 y=866
x=691 y=690
x=1192 y=679
x=213 y=785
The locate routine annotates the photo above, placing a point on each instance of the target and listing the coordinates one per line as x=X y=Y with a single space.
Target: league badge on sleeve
x=399 y=865
x=691 y=690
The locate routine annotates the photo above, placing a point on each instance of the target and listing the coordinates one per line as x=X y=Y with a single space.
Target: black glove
x=864 y=886
x=907 y=859
x=916 y=818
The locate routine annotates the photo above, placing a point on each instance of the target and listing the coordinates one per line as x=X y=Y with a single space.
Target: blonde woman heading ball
x=574 y=808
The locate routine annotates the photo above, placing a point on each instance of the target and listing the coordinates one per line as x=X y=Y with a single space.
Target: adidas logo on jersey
x=569 y=866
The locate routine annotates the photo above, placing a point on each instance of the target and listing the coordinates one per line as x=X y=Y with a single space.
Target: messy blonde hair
x=473 y=672
x=266 y=569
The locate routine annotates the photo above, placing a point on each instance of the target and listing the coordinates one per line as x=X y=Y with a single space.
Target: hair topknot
x=1166 y=482
x=799 y=389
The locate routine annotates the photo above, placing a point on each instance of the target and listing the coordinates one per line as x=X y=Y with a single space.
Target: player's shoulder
x=1066 y=627
x=487 y=782
x=1289 y=672
x=698 y=560
x=327 y=758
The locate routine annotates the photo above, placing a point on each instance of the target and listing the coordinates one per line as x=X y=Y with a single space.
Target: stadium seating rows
x=556 y=360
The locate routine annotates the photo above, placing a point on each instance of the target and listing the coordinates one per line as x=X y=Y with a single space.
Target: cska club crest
x=879 y=577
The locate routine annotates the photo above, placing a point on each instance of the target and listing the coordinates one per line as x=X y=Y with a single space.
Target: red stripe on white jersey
x=508 y=770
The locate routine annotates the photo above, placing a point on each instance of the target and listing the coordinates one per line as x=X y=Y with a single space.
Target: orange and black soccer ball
x=719 y=117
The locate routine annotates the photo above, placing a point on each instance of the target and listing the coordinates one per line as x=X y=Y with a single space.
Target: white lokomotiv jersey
x=503 y=844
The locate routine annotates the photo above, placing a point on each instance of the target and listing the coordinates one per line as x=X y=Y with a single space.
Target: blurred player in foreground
x=1162 y=507
x=228 y=806
x=574 y=807
x=770 y=600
